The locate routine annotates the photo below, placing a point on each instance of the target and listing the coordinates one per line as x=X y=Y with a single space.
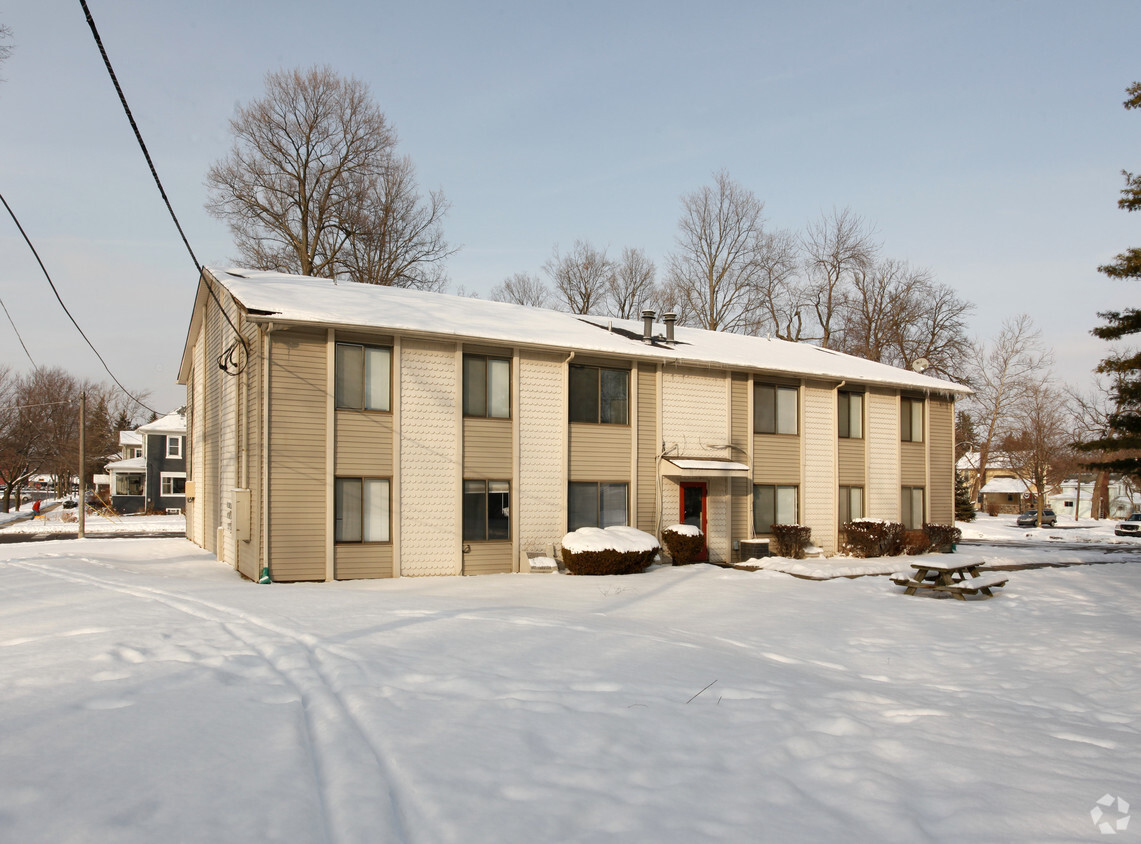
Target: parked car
x=1030 y=518
x=1129 y=527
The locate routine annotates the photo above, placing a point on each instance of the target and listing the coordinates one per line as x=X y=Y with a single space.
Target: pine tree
x=1125 y=367
x=964 y=507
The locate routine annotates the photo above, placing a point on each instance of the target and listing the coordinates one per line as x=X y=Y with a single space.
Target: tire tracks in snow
x=360 y=798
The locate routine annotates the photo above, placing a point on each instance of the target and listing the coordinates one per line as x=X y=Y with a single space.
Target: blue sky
x=984 y=140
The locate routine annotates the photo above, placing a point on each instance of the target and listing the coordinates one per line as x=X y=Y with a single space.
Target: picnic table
x=958 y=579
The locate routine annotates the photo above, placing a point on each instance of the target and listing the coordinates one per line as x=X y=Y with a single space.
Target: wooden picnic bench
x=957 y=579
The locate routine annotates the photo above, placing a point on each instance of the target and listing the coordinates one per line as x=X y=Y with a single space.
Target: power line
x=59 y=298
x=161 y=190
x=18 y=337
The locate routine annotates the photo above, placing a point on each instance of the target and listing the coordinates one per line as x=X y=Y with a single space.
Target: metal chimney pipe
x=647 y=326
x=670 y=318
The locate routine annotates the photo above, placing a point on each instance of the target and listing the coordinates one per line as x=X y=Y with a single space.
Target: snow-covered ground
x=148 y=694
x=60 y=520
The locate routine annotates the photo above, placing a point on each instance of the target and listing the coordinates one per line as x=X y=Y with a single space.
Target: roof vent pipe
x=647 y=326
x=670 y=318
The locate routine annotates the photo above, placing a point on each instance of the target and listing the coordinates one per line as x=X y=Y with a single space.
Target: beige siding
x=297 y=437
x=600 y=452
x=776 y=459
x=717 y=514
x=542 y=415
x=913 y=464
x=488 y=558
x=212 y=431
x=818 y=489
x=695 y=412
x=941 y=449
x=882 y=494
x=487 y=449
x=741 y=432
x=429 y=458
x=363 y=444
x=647 y=494
x=250 y=425
x=850 y=462
x=196 y=524
x=228 y=445
x=363 y=561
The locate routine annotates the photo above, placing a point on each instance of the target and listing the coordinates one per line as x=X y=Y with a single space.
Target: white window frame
x=121 y=475
x=170 y=476
x=176 y=441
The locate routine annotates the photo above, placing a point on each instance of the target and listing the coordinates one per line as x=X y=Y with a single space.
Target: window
x=487 y=510
x=911 y=420
x=599 y=395
x=851 y=416
x=774 y=409
x=773 y=505
x=129 y=484
x=174 y=446
x=487 y=387
x=173 y=483
x=596 y=505
x=911 y=507
x=851 y=503
x=361 y=510
x=135 y=452
x=363 y=377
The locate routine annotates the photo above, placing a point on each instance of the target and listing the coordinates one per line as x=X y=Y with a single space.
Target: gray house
x=155 y=479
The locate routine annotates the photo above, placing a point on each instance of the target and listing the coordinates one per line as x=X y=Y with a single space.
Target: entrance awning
x=681 y=467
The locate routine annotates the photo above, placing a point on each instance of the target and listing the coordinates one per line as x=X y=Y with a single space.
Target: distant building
x=151 y=476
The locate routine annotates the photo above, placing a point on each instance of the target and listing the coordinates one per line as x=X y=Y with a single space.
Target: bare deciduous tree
x=837 y=247
x=1038 y=448
x=5 y=47
x=312 y=186
x=581 y=277
x=896 y=314
x=1002 y=372
x=630 y=287
x=780 y=296
x=523 y=289
x=716 y=269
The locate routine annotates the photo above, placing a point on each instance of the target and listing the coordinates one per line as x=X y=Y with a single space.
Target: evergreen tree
x=1124 y=438
x=964 y=507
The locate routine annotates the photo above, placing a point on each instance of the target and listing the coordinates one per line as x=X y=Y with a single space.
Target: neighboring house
x=153 y=477
x=1006 y=495
x=1122 y=498
x=365 y=431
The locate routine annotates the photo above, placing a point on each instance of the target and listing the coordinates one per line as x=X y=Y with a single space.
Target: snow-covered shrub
x=915 y=542
x=872 y=538
x=612 y=550
x=791 y=540
x=684 y=542
x=943 y=537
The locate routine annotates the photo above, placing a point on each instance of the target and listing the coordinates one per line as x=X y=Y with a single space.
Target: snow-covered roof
x=995 y=460
x=130 y=438
x=1007 y=485
x=291 y=299
x=131 y=464
x=172 y=423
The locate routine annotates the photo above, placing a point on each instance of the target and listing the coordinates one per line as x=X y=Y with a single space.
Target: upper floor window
x=361 y=509
x=911 y=420
x=487 y=508
x=851 y=415
x=363 y=377
x=774 y=409
x=487 y=387
x=599 y=395
x=174 y=446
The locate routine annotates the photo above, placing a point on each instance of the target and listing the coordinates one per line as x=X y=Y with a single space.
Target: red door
x=693 y=496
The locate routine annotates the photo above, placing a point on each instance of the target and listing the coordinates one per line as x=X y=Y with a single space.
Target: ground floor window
x=911 y=507
x=362 y=508
x=591 y=504
x=487 y=508
x=173 y=483
x=851 y=503
x=130 y=483
x=773 y=505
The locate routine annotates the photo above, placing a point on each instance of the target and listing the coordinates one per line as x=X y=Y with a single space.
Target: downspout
x=566 y=440
x=265 y=400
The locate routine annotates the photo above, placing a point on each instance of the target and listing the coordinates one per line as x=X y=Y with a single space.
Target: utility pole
x=82 y=460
